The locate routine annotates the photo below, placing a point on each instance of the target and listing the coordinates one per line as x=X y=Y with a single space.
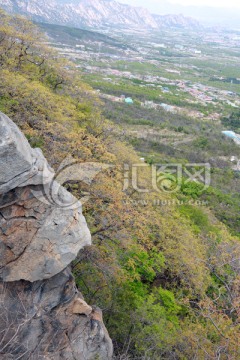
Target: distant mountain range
x=95 y=13
x=227 y=16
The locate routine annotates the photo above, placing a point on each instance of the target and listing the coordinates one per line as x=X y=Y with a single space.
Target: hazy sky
x=159 y=3
x=218 y=3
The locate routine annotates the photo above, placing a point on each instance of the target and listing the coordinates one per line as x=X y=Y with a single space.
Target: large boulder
x=37 y=239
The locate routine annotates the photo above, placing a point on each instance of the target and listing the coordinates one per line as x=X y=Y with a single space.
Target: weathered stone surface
x=15 y=151
x=38 y=323
x=37 y=240
x=81 y=307
x=42 y=315
x=20 y=164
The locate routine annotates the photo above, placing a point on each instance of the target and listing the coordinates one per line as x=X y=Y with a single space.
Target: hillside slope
x=166 y=273
x=73 y=36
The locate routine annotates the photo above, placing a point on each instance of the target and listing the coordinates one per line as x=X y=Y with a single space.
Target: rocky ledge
x=42 y=314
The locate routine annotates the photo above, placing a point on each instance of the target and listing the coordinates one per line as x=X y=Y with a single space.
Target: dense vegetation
x=163 y=137
x=167 y=277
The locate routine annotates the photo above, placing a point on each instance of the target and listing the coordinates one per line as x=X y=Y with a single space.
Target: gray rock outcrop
x=37 y=322
x=42 y=314
x=37 y=240
x=20 y=164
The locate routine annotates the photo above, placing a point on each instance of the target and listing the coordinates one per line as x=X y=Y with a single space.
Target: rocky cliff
x=94 y=13
x=42 y=314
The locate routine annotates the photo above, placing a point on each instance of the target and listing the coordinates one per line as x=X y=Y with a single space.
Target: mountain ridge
x=95 y=13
